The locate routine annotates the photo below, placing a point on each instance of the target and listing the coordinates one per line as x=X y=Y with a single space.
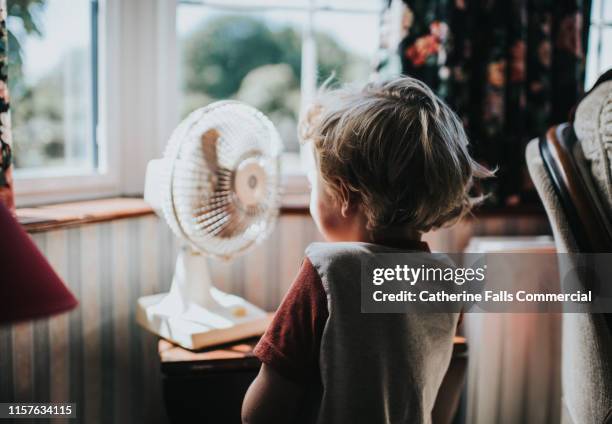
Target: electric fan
x=217 y=186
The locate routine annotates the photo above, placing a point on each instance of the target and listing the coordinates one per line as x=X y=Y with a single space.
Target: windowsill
x=38 y=219
x=66 y=215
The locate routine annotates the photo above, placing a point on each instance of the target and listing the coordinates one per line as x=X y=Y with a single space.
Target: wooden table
x=207 y=386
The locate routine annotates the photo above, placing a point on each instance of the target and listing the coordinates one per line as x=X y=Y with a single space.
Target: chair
x=572 y=176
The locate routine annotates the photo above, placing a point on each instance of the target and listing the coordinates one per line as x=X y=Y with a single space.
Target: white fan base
x=198 y=327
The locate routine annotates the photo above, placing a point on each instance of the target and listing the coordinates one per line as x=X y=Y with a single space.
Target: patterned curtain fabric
x=509 y=68
x=6 y=178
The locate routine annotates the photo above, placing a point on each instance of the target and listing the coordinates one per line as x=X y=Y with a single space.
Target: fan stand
x=195 y=314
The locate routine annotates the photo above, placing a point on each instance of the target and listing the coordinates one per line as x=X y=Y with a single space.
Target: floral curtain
x=6 y=178
x=509 y=68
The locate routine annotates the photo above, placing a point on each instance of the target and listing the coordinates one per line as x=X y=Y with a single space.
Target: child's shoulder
x=338 y=251
x=325 y=256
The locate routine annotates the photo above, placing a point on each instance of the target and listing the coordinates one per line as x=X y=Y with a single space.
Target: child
x=392 y=163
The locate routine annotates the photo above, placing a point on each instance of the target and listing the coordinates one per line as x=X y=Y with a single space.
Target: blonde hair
x=396 y=149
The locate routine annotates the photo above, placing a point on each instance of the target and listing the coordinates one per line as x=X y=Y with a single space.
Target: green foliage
x=222 y=51
x=36 y=115
x=27 y=13
x=333 y=59
x=241 y=57
x=38 y=121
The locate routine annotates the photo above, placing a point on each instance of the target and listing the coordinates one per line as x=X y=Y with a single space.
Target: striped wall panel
x=98 y=357
x=95 y=355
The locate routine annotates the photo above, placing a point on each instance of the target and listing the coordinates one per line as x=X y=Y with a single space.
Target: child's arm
x=271 y=399
x=289 y=352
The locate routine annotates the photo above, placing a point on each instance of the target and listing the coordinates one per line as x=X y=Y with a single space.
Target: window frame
x=33 y=187
x=138 y=107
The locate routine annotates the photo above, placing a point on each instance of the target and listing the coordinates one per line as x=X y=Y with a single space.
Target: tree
x=224 y=50
x=241 y=57
x=332 y=59
x=27 y=12
x=275 y=91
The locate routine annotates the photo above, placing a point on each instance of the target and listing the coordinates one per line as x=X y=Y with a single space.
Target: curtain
x=509 y=68
x=6 y=178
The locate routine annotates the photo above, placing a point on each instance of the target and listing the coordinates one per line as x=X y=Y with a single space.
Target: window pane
x=343 y=50
x=253 y=56
x=592 y=58
x=606 y=50
x=607 y=11
x=596 y=10
x=51 y=89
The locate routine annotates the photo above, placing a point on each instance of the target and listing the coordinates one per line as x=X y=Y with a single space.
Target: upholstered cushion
x=593 y=126
x=587 y=369
x=564 y=239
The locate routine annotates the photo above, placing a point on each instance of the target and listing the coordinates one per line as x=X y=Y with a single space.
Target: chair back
x=573 y=184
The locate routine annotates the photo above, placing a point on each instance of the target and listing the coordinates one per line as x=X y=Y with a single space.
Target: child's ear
x=347 y=202
x=345 y=209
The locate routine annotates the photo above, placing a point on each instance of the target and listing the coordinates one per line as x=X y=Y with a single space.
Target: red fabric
x=291 y=344
x=29 y=288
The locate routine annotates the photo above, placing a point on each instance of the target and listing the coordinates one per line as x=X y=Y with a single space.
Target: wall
x=98 y=357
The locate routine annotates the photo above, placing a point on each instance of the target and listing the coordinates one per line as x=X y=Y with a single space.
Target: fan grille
x=223 y=178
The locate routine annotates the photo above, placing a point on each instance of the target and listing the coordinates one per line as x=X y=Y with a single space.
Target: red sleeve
x=291 y=343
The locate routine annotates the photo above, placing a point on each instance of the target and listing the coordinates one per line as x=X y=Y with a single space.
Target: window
x=97 y=86
x=253 y=57
x=272 y=54
x=342 y=49
x=599 y=57
x=53 y=86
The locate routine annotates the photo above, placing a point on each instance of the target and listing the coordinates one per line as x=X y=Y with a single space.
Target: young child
x=392 y=163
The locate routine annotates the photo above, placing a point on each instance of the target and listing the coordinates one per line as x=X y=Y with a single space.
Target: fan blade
x=209 y=149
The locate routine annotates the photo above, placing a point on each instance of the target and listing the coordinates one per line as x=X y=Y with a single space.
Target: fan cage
x=199 y=199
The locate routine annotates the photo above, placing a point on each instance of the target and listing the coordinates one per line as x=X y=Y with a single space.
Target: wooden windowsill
x=65 y=215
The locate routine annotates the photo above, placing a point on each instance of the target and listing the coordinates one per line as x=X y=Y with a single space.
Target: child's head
x=390 y=156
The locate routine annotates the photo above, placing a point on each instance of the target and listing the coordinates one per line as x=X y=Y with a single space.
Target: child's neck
x=355 y=229
x=395 y=236
x=392 y=236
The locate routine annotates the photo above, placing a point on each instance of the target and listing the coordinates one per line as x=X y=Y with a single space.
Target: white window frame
x=138 y=91
x=34 y=187
x=136 y=106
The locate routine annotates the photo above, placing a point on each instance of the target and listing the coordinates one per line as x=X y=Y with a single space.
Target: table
x=208 y=385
